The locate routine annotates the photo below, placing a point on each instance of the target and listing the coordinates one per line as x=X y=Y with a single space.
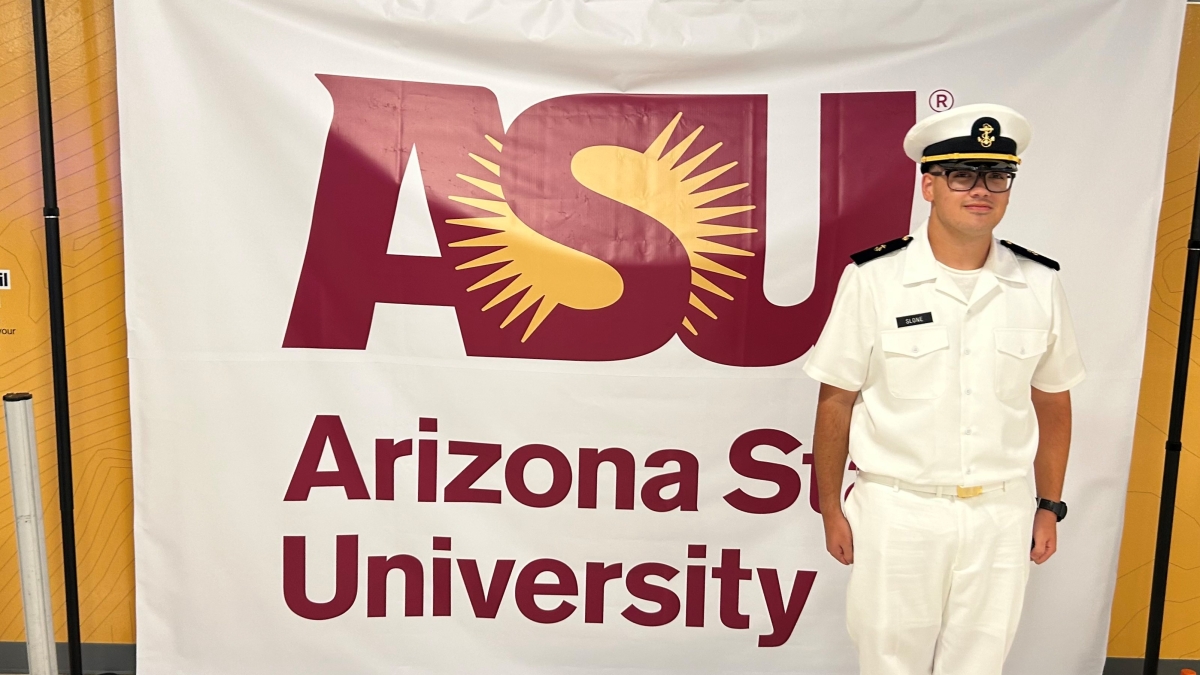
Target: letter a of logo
x=596 y=227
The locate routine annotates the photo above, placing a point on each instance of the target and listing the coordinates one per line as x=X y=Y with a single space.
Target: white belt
x=962 y=492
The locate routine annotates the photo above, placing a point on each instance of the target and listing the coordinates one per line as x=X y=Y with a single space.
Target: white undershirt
x=965 y=279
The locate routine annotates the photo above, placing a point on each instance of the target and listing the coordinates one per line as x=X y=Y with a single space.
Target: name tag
x=914 y=319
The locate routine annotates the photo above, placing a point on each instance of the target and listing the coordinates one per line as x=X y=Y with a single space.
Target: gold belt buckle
x=968 y=492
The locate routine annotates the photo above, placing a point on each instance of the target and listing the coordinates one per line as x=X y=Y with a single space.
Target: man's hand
x=839 y=540
x=1045 y=536
x=831 y=441
x=1049 y=465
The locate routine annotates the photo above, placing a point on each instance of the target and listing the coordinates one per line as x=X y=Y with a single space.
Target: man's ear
x=927 y=187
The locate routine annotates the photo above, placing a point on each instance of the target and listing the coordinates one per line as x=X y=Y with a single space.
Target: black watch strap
x=1059 y=509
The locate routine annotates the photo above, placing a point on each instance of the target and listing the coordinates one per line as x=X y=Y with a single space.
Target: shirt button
x=967 y=432
x=914 y=350
x=967 y=392
x=966 y=352
x=969 y=471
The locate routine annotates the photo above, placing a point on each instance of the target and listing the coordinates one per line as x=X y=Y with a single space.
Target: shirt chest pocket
x=1018 y=351
x=915 y=361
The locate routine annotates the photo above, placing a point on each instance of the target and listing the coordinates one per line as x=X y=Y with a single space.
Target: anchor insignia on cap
x=986 y=139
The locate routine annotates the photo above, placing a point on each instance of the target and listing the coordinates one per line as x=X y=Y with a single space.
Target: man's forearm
x=831 y=444
x=1054 y=442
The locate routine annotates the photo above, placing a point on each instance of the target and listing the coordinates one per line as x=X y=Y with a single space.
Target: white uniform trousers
x=938 y=582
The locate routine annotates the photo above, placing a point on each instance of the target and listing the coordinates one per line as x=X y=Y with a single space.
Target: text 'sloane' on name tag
x=914 y=319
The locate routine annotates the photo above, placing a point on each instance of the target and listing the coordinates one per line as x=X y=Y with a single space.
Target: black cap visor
x=972 y=165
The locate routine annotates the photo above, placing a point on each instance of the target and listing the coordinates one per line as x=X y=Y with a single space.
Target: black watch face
x=1062 y=510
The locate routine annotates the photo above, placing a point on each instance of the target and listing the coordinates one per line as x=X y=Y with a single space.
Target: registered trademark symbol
x=941 y=100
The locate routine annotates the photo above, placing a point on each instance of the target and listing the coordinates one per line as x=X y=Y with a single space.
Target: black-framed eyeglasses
x=963 y=180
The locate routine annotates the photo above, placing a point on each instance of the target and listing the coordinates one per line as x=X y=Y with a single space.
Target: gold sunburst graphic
x=542 y=271
x=655 y=183
x=546 y=274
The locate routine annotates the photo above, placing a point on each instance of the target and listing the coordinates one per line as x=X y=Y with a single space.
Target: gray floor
x=1134 y=666
x=120 y=659
x=97 y=658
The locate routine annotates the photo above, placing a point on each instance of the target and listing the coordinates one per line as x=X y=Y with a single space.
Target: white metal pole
x=31 y=535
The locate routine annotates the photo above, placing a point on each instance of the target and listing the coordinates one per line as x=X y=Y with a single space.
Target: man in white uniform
x=945 y=368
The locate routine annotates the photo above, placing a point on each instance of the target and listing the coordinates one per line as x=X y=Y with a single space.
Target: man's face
x=974 y=212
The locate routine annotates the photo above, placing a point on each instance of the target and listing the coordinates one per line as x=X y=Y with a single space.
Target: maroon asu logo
x=596 y=227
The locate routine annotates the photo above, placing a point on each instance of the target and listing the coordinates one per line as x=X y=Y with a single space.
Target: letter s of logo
x=596 y=228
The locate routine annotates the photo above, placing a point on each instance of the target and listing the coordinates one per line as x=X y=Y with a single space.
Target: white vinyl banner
x=466 y=336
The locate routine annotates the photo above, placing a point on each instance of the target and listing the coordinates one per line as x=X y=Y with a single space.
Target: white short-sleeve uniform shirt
x=944 y=380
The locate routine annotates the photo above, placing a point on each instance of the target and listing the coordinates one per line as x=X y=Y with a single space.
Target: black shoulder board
x=881 y=250
x=1032 y=255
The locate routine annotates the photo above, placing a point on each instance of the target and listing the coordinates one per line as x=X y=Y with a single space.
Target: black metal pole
x=1166 y=509
x=58 y=338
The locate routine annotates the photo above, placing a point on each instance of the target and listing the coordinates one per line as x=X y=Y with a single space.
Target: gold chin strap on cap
x=971 y=155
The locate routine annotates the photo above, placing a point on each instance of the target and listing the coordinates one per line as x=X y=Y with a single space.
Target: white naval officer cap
x=980 y=134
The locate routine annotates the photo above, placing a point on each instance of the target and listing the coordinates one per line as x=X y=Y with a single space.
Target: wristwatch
x=1059 y=509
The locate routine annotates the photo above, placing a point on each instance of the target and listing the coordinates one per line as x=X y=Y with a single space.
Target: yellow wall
x=1181 y=628
x=85 y=116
